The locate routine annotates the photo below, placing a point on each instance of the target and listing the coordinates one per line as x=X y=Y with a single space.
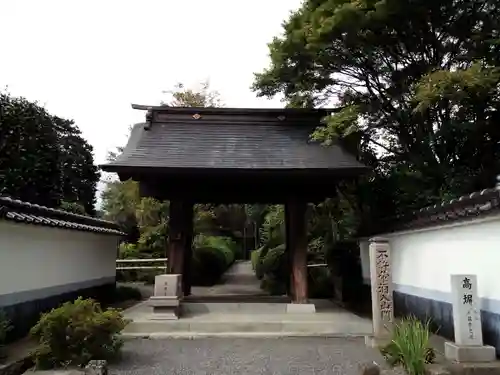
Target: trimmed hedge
x=255 y=257
x=212 y=256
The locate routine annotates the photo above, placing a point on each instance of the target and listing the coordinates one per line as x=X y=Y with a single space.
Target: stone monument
x=381 y=291
x=468 y=345
x=167 y=297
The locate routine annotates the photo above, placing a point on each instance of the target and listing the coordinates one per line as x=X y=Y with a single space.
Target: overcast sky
x=89 y=60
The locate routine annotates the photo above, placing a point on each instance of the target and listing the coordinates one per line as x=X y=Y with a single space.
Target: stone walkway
x=235 y=356
x=239 y=279
x=238 y=308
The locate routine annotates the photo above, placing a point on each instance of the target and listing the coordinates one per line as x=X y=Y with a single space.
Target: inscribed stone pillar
x=468 y=345
x=381 y=290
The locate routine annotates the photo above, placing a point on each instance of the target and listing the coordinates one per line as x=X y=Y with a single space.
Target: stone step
x=282 y=327
x=237 y=298
x=247 y=319
x=231 y=308
x=238 y=279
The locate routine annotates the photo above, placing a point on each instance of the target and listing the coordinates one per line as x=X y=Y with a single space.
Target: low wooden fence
x=136 y=264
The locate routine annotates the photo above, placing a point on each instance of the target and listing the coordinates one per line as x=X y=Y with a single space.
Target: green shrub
x=259 y=269
x=273 y=286
x=255 y=257
x=212 y=256
x=320 y=284
x=5 y=327
x=275 y=260
x=410 y=346
x=225 y=244
x=273 y=270
x=208 y=265
x=75 y=333
x=216 y=241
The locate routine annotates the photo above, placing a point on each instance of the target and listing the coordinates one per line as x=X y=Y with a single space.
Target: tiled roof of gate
x=231 y=140
x=28 y=213
x=478 y=204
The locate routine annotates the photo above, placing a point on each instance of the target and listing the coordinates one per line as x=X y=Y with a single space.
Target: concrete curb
x=191 y=335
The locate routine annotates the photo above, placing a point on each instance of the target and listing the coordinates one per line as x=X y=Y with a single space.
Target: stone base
x=164 y=301
x=300 y=308
x=461 y=353
x=165 y=308
x=165 y=315
x=376 y=342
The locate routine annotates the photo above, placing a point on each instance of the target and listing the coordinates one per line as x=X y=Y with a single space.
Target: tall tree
x=43 y=158
x=203 y=96
x=418 y=87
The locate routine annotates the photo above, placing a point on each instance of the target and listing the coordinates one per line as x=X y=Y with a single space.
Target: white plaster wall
x=425 y=259
x=35 y=257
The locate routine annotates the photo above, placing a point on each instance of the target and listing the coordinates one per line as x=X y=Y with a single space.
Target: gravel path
x=234 y=356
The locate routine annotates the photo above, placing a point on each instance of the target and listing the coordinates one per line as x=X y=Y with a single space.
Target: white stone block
x=168 y=285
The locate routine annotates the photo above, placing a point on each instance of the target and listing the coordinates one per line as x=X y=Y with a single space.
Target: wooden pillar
x=175 y=252
x=288 y=249
x=188 y=249
x=298 y=247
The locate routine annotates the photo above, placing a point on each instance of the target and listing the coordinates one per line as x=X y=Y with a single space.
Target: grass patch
x=410 y=347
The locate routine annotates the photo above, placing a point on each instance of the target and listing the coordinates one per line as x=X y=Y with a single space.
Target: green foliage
x=5 y=327
x=274 y=260
x=225 y=244
x=73 y=207
x=259 y=268
x=153 y=240
x=338 y=125
x=44 y=158
x=75 y=333
x=128 y=251
x=212 y=256
x=410 y=346
x=273 y=270
x=209 y=264
x=420 y=108
x=272 y=285
x=255 y=258
x=202 y=96
x=119 y=204
x=272 y=232
x=456 y=86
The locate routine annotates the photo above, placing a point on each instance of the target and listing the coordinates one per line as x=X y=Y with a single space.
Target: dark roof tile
x=229 y=144
x=478 y=204
x=24 y=212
